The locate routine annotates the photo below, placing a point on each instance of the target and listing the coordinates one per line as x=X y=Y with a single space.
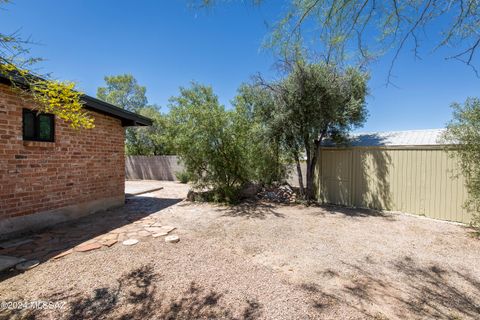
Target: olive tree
x=253 y=109
x=313 y=103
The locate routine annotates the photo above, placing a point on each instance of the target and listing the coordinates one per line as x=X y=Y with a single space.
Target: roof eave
x=128 y=118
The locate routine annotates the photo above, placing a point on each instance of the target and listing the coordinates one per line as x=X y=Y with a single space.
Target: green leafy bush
x=203 y=136
x=221 y=149
x=464 y=132
x=182 y=176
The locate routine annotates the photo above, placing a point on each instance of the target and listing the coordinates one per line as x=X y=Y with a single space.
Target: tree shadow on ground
x=252 y=210
x=418 y=291
x=47 y=243
x=136 y=296
x=353 y=212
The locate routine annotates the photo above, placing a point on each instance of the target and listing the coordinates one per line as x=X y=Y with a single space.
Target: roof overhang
x=129 y=119
x=90 y=103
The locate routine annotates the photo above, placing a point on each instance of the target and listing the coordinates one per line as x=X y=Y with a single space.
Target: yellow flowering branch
x=51 y=96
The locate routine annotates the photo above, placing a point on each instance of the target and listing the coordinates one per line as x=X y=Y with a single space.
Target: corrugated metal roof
x=427 y=137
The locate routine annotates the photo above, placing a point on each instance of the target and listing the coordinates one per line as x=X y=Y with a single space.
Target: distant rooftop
x=427 y=137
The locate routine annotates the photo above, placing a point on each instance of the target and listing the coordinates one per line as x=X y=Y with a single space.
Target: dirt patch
x=267 y=261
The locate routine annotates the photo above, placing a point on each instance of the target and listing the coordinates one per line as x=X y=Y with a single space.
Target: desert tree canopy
x=363 y=30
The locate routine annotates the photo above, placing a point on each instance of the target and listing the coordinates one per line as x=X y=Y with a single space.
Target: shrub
x=208 y=143
x=182 y=176
x=464 y=132
x=221 y=149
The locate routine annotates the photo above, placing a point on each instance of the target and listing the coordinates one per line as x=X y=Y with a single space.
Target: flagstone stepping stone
x=172 y=239
x=109 y=243
x=131 y=234
x=62 y=254
x=27 y=265
x=88 y=247
x=143 y=234
x=6 y=262
x=146 y=225
x=154 y=229
x=130 y=242
x=14 y=243
x=161 y=234
x=108 y=237
x=90 y=241
x=167 y=229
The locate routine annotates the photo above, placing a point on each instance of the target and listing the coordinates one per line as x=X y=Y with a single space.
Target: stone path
x=140 y=218
x=42 y=246
x=7 y=262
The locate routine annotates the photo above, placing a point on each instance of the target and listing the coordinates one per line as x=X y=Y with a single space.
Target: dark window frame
x=36 y=124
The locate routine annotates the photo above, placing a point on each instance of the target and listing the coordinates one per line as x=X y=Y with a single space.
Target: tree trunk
x=310 y=173
x=277 y=164
x=311 y=164
x=300 y=176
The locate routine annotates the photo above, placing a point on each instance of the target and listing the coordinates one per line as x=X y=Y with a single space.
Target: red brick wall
x=80 y=166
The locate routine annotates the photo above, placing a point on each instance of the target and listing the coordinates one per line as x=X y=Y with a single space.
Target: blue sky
x=166 y=44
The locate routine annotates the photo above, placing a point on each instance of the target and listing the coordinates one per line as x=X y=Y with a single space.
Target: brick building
x=51 y=173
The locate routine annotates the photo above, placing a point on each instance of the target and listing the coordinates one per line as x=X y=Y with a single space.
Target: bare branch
x=469 y=53
x=405 y=38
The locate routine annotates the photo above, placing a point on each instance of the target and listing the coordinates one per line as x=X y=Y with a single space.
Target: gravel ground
x=261 y=261
x=133 y=187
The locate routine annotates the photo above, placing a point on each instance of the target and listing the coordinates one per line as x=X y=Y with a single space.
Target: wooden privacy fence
x=419 y=180
x=152 y=167
x=166 y=167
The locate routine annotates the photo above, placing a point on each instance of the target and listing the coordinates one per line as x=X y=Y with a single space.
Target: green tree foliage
x=204 y=136
x=270 y=123
x=374 y=27
x=464 y=132
x=123 y=91
x=182 y=176
x=221 y=149
x=315 y=102
x=267 y=158
x=151 y=140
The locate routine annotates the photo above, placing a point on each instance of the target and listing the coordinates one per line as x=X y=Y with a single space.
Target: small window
x=38 y=126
